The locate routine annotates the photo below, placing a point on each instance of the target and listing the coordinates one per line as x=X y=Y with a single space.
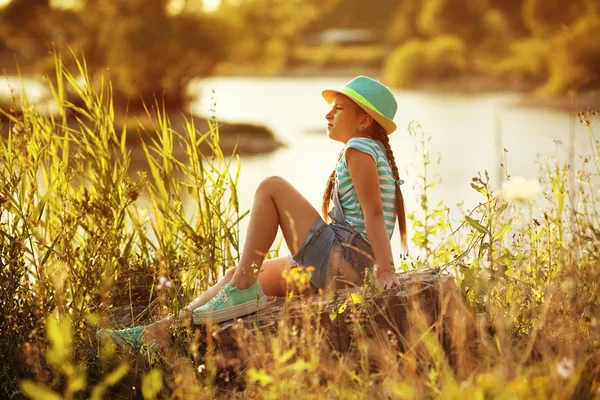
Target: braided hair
x=381 y=135
x=327 y=192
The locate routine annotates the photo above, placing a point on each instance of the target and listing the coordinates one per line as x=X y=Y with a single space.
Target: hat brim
x=385 y=122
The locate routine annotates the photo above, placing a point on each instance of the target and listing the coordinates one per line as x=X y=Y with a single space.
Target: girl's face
x=344 y=119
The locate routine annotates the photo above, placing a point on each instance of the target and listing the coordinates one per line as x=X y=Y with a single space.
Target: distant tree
x=363 y=14
x=462 y=18
x=267 y=31
x=149 y=53
x=575 y=57
x=146 y=51
x=497 y=37
x=404 y=22
x=546 y=17
x=512 y=10
x=31 y=28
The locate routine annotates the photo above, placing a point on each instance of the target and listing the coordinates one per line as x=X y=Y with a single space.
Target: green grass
x=75 y=241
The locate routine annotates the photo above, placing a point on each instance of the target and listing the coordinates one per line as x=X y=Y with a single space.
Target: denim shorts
x=334 y=250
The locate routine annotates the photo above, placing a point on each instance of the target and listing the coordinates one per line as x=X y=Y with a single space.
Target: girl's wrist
x=385 y=270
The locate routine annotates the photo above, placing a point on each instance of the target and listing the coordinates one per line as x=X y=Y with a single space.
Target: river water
x=468 y=134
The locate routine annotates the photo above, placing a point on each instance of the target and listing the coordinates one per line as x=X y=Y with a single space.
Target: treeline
x=154 y=48
x=551 y=43
x=144 y=47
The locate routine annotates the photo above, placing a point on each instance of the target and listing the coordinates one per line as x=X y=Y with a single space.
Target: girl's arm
x=363 y=171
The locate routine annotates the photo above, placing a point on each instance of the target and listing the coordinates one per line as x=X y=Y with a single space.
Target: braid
x=327 y=192
x=381 y=135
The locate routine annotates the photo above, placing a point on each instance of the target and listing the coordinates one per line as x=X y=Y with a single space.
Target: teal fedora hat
x=373 y=97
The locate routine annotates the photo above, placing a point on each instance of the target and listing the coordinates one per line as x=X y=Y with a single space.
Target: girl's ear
x=366 y=121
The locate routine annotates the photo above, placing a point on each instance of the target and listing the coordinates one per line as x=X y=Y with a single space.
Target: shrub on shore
x=418 y=60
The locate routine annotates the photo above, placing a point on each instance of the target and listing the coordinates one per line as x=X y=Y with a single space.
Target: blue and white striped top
x=348 y=199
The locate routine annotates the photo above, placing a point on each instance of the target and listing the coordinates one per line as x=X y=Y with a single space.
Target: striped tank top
x=347 y=194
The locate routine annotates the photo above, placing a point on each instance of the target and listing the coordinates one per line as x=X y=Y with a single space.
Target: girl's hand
x=385 y=280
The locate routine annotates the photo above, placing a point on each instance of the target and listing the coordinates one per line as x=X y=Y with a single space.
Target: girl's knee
x=271 y=183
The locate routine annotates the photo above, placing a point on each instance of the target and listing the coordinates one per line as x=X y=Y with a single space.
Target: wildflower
x=565 y=368
x=143 y=215
x=164 y=282
x=518 y=189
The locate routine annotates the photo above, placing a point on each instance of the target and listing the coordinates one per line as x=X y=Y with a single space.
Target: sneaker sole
x=232 y=312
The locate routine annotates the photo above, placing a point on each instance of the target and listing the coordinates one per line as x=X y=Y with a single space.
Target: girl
x=365 y=189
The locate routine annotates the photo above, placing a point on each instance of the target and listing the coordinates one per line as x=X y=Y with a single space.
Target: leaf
x=502 y=208
x=116 y=375
x=38 y=392
x=59 y=333
x=356 y=298
x=401 y=390
x=343 y=307
x=259 y=376
x=152 y=384
x=480 y=189
x=476 y=224
x=499 y=235
x=79 y=383
x=110 y=380
x=50 y=250
x=301 y=365
x=332 y=316
x=285 y=357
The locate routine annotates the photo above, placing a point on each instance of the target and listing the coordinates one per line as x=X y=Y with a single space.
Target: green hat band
x=376 y=97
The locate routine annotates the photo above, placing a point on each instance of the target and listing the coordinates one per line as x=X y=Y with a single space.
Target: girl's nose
x=328 y=116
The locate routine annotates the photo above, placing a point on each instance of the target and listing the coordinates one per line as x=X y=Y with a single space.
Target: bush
x=446 y=57
x=527 y=60
x=418 y=60
x=77 y=237
x=407 y=64
x=497 y=37
x=576 y=57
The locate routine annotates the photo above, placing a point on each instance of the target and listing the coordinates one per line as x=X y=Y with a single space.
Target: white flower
x=565 y=368
x=518 y=189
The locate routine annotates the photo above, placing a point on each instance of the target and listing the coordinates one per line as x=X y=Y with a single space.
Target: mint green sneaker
x=131 y=336
x=231 y=303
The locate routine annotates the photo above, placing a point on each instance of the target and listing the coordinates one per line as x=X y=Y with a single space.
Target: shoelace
x=130 y=331
x=220 y=297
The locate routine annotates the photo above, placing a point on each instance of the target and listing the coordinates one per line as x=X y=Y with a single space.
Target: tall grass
x=76 y=238
x=77 y=249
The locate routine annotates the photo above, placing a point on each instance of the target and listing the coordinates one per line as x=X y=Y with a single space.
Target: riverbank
x=243 y=138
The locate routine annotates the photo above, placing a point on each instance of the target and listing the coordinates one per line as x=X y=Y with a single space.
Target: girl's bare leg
x=276 y=204
x=157 y=331
x=270 y=277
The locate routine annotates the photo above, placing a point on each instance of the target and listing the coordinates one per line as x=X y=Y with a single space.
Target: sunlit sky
x=209 y=5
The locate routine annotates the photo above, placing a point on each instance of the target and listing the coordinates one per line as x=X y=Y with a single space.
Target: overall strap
x=337 y=214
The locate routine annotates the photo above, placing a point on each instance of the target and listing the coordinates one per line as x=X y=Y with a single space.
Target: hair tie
x=399 y=182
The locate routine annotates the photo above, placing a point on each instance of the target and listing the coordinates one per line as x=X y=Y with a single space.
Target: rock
x=421 y=299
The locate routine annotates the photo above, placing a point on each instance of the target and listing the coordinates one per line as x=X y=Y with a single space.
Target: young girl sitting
x=353 y=237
